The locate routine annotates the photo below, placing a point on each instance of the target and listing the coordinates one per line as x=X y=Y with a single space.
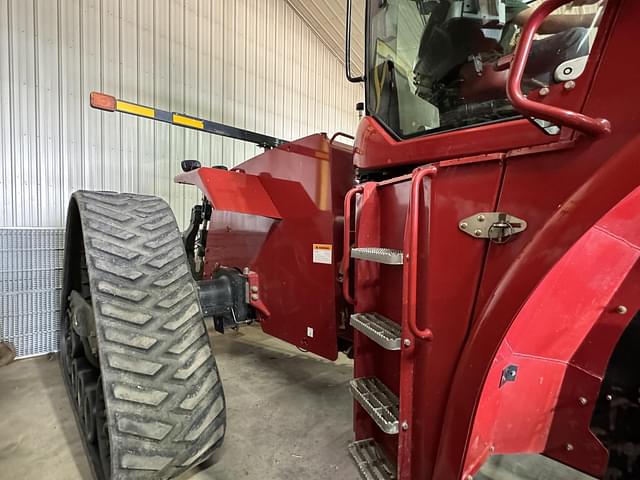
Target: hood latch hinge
x=498 y=227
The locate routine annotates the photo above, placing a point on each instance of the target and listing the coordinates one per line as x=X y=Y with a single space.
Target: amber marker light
x=102 y=101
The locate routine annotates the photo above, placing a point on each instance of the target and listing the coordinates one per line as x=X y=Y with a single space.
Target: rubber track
x=165 y=405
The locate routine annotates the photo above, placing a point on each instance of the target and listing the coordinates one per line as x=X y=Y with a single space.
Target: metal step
x=371 y=461
x=381 y=330
x=388 y=256
x=378 y=401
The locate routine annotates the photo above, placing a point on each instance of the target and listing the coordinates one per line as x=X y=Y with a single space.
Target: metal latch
x=498 y=227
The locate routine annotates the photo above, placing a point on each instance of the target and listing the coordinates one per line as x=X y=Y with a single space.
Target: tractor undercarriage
x=136 y=356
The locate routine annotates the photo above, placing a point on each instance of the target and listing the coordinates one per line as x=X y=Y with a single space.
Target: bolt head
x=570 y=85
x=406 y=342
x=254 y=289
x=405 y=425
x=621 y=309
x=246 y=270
x=544 y=91
x=569 y=447
x=464 y=225
x=481 y=218
x=254 y=296
x=478 y=232
x=583 y=401
x=609 y=397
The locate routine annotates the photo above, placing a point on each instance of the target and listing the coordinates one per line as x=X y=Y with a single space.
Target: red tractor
x=476 y=252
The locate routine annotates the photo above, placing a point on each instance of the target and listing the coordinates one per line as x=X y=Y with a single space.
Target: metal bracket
x=498 y=227
x=83 y=321
x=253 y=292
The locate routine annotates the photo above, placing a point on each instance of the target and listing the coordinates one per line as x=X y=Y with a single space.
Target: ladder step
x=378 y=401
x=371 y=461
x=381 y=330
x=388 y=256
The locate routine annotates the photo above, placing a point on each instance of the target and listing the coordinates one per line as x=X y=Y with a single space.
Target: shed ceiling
x=326 y=18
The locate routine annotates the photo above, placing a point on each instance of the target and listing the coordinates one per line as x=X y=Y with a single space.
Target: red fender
x=561 y=342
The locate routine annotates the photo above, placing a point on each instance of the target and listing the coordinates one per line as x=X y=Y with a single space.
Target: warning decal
x=322 y=253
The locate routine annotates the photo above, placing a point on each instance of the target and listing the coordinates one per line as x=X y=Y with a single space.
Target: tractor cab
x=442 y=65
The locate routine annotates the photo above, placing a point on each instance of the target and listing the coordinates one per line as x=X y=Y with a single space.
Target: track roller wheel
x=134 y=349
x=89 y=414
x=80 y=369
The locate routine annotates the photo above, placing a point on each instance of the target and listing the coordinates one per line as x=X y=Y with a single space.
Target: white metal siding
x=250 y=63
x=327 y=19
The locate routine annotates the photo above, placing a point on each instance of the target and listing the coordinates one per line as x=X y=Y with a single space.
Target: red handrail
x=561 y=116
x=346 y=244
x=411 y=249
x=340 y=134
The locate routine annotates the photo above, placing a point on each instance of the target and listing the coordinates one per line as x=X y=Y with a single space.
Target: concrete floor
x=289 y=417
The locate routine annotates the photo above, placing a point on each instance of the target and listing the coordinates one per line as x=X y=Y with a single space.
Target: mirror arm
x=347 y=48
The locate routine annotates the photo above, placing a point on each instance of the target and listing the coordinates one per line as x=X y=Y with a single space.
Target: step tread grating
x=372 y=463
x=388 y=256
x=379 y=402
x=378 y=328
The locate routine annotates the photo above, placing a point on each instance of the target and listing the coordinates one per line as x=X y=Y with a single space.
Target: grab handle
x=411 y=250
x=346 y=245
x=582 y=123
x=340 y=134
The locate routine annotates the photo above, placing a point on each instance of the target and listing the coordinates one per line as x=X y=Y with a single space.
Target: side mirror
x=188 y=165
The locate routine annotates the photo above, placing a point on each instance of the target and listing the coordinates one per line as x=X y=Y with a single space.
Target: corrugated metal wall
x=249 y=63
x=326 y=18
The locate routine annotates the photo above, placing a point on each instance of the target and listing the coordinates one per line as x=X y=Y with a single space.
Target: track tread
x=164 y=258
x=119 y=270
x=125 y=314
x=182 y=318
x=109 y=228
x=164 y=399
x=129 y=338
x=172 y=275
x=138 y=394
x=162 y=240
x=130 y=294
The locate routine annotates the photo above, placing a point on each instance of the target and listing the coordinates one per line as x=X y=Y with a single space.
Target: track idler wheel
x=134 y=350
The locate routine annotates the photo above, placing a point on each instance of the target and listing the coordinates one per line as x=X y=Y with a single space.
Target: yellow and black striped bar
x=110 y=103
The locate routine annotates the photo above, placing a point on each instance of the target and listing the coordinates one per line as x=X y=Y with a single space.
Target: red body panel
x=561 y=342
x=242 y=193
x=561 y=186
x=267 y=216
x=561 y=194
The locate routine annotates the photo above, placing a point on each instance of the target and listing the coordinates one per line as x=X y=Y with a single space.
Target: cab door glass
x=440 y=64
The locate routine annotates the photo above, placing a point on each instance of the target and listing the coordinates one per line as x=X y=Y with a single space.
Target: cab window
x=433 y=64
